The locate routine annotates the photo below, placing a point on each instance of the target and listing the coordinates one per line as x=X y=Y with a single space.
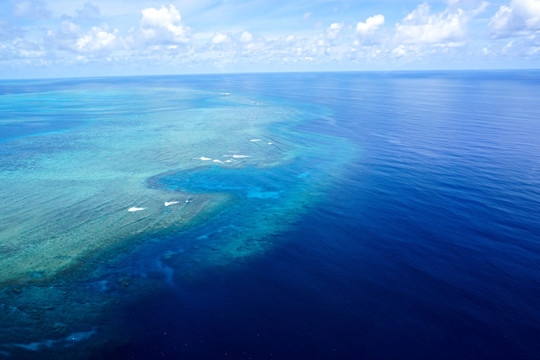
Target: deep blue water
x=426 y=245
x=427 y=248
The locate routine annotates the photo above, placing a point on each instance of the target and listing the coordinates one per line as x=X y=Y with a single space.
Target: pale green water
x=96 y=212
x=68 y=193
x=72 y=195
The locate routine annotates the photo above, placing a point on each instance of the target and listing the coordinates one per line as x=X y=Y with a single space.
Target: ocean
x=376 y=215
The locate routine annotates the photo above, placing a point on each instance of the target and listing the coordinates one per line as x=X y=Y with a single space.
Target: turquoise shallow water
x=291 y=216
x=94 y=168
x=77 y=161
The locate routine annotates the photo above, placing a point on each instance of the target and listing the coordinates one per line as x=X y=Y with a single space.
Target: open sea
x=271 y=216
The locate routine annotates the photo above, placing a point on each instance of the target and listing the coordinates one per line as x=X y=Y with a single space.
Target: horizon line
x=273 y=72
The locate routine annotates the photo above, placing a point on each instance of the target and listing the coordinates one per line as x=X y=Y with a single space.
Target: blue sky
x=51 y=38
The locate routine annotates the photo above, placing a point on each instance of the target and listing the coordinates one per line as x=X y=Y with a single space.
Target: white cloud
x=14 y=45
x=163 y=26
x=520 y=18
x=246 y=37
x=423 y=34
x=19 y=48
x=219 y=38
x=290 y=38
x=74 y=39
x=515 y=47
x=366 y=32
x=333 y=30
x=25 y=49
x=399 y=51
x=423 y=27
x=65 y=38
x=98 y=39
x=370 y=26
x=159 y=35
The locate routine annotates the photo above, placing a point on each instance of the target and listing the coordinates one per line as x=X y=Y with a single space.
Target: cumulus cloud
x=423 y=33
x=13 y=45
x=26 y=49
x=65 y=38
x=246 y=37
x=370 y=26
x=399 y=51
x=290 y=38
x=72 y=38
x=366 y=31
x=423 y=27
x=333 y=30
x=520 y=18
x=98 y=39
x=219 y=38
x=163 y=26
x=160 y=35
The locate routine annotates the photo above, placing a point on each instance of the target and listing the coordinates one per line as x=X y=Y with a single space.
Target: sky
x=65 y=38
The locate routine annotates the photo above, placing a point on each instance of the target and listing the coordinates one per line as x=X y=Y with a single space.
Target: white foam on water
x=270 y=143
x=255 y=140
x=67 y=341
x=240 y=156
x=224 y=93
x=133 y=209
x=80 y=336
x=205 y=158
x=218 y=161
x=169 y=203
x=228 y=161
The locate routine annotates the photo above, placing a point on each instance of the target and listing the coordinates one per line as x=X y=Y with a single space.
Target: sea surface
x=271 y=216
